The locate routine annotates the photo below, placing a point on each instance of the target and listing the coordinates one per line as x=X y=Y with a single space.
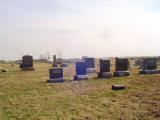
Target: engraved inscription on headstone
x=55 y=75
x=90 y=65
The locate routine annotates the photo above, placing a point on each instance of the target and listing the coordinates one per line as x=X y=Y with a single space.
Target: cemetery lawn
x=25 y=95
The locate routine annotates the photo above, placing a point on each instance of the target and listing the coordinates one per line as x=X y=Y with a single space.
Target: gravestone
x=54 y=58
x=122 y=67
x=55 y=75
x=118 y=87
x=54 y=61
x=81 y=71
x=104 y=69
x=4 y=70
x=27 y=63
x=149 y=66
x=90 y=65
x=64 y=65
x=83 y=57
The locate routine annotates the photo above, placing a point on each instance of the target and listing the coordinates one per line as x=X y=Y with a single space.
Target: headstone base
x=55 y=80
x=105 y=75
x=27 y=68
x=118 y=87
x=121 y=73
x=91 y=70
x=80 y=77
x=149 y=71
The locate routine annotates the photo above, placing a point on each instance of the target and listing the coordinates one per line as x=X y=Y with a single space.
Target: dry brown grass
x=27 y=96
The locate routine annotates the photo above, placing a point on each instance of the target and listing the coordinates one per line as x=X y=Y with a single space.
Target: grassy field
x=25 y=95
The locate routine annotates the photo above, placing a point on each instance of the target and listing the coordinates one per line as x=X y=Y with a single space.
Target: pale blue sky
x=98 y=28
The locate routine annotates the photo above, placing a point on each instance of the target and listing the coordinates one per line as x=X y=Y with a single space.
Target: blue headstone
x=80 y=68
x=89 y=62
x=56 y=75
x=80 y=71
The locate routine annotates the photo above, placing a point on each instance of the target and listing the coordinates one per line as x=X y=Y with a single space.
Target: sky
x=75 y=28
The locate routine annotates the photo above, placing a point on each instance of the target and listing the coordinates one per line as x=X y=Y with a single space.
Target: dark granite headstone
x=81 y=71
x=90 y=65
x=55 y=75
x=89 y=62
x=122 y=64
x=149 y=66
x=27 y=63
x=122 y=67
x=104 y=65
x=104 y=69
x=54 y=58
